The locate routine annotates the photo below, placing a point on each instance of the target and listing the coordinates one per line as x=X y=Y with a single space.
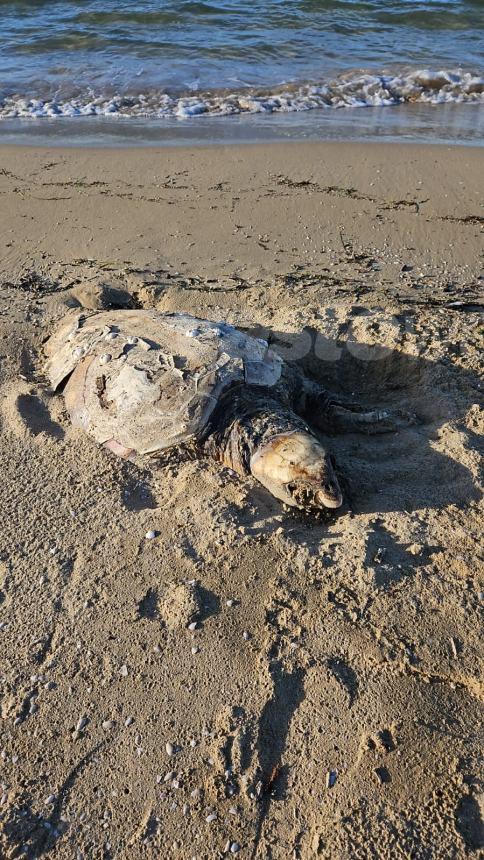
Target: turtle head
x=296 y=469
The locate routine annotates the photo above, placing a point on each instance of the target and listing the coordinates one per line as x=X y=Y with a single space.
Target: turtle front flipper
x=334 y=415
x=344 y=419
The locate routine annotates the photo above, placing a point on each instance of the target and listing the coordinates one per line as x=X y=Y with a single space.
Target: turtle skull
x=296 y=469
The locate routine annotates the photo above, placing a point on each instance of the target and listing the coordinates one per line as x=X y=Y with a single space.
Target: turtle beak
x=329 y=497
x=329 y=494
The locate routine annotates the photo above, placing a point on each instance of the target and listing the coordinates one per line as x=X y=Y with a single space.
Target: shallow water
x=182 y=59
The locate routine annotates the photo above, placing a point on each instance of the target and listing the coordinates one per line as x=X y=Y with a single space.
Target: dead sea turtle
x=141 y=381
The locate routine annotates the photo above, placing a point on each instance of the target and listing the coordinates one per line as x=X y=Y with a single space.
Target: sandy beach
x=328 y=702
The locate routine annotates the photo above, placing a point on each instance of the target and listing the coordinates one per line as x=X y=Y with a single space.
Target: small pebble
x=132 y=339
x=108 y=725
x=193 y=743
x=193 y=625
x=49 y=800
x=195 y=649
x=150 y=534
x=81 y=724
x=169 y=776
x=234 y=848
x=331 y=778
x=195 y=793
x=170 y=749
x=124 y=671
x=129 y=721
x=230 y=602
x=105 y=358
x=211 y=817
x=246 y=635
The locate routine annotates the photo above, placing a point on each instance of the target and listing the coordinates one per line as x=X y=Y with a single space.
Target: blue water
x=183 y=59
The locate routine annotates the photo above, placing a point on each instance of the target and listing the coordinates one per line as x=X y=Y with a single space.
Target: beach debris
x=81 y=724
x=176 y=380
x=331 y=778
x=150 y=534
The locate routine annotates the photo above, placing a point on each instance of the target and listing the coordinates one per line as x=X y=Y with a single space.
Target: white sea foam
x=349 y=90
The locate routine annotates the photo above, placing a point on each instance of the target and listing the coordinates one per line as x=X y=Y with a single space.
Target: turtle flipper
x=345 y=419
x=333 y=414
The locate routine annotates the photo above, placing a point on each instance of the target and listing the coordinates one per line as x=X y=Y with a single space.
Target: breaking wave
x=348 y=90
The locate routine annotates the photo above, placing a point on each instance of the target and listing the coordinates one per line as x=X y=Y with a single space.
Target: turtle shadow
x=403 y=470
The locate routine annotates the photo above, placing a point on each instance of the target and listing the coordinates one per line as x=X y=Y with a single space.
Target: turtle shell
x=146 y=380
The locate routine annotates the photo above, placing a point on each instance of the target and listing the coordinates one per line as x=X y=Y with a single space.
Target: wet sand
x=346 y=722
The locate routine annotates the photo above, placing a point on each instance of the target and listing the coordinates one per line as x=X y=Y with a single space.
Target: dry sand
x=346 y=723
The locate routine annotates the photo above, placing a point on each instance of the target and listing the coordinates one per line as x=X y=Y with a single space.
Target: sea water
x=164 y=64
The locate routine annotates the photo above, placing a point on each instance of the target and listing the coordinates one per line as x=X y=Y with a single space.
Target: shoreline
x=445 y=124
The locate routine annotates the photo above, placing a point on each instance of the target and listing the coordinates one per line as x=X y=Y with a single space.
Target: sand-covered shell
x=148 y=380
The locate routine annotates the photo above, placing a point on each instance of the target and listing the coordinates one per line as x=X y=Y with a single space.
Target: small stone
x=129 y=721
x=211 y=817
x=230 y=602
x=195 y=649
x=132 y=339
x=193 y=743
x=193 y=625
x=108 y=725
x=233 y=810
x=186 y=809
x=150 y=534
x=159 y=779
x=234 y=848
x=331 y=778
x=170 y=749
x=50 y=800
x=81 y=723
x=246 y=635
x=124 y=671
x=169 y=776
x=105 y=358
x=195 y=794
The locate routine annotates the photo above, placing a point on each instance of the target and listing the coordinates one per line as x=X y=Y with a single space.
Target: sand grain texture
x=347 y=721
